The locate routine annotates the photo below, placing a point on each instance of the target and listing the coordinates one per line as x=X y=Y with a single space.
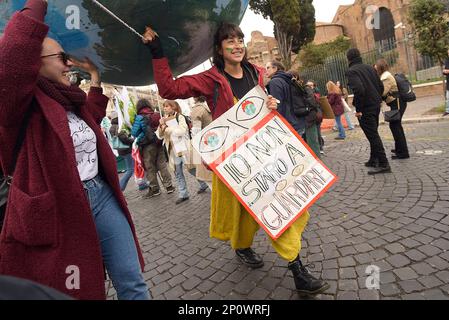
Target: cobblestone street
x=398 y=222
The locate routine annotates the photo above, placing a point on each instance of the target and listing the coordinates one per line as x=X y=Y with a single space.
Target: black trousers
x=400 y=142
x=369 y=122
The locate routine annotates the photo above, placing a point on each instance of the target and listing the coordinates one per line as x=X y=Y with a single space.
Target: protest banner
x=268 y=167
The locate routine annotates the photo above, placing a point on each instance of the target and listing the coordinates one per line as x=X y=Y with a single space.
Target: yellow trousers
x=231 y=222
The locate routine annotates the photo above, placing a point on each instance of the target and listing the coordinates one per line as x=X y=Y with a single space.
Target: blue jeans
x=180 y=178
x=341 y=129
x=129 y=162
x=117 y=242
x=447 y=101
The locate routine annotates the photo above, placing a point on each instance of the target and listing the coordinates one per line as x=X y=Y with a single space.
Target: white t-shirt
x=85 y=143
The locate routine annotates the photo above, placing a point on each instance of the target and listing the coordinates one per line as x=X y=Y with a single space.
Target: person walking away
x=173 y=136
x=394 y=101
x=201 y=117
x=65 y=210
x=125 y=137
x=334 y=98
x=154 y=160
x=229 y=79
x=316 y=92
x=347 y=114
x=368 y=89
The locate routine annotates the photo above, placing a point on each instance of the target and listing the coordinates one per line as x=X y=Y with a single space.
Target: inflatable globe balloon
x=102 y=31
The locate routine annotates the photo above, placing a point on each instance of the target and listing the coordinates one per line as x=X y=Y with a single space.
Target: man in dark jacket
x=368 y=89
x=279 y=87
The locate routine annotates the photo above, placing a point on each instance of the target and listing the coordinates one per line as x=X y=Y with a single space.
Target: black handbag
x=393 y=115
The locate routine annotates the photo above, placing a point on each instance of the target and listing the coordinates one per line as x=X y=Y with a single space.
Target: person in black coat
x=368 y=90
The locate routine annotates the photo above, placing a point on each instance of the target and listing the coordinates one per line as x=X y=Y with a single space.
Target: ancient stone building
x=262 y=49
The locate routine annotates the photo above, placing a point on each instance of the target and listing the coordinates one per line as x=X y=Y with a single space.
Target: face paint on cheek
x=229 y=50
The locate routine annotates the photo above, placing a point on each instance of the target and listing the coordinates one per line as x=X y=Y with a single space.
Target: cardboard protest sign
x=271 y=170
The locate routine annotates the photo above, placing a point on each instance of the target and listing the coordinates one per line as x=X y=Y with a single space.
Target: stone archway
x=384 y=36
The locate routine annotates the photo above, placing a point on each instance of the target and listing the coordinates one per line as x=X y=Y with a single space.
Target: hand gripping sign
x=264 y=162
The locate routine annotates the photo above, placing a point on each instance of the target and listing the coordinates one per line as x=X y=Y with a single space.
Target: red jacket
x=48 y=224
x=207 y=83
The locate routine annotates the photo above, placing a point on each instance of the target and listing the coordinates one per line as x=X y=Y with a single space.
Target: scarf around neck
x=70 y=98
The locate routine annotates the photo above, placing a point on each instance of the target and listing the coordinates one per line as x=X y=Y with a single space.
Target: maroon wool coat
x=335 y=100
x=202 y=84
x=49 y=224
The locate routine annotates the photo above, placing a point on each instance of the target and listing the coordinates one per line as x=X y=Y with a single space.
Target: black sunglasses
x=64 y=56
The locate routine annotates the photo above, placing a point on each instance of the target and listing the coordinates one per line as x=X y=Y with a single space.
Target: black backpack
x=405 y=88
x=150 y=134
x=301 y=101
x=189 y=123
x=6 y=178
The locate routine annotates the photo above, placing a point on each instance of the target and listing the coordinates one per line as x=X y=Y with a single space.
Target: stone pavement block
x=330 y=264
x=434 y=294
x=347 y=273
x=244 y=287
x=410 y=243
x=161 y=278
x=347 y=295
x=406 y=273
x=269 y=283
x=363 y=258
x=347 y=285
x=191 y=283
x=423 y=268
x=212 y=296
x=192 y=295
x=330 y=274
x=366 y=294
x=443 y=244
x=398 y=260
x=387 y=277
x=174 y=293
x=174 y=281
x=443 y=276
x=258 y=294
x=429 y=250
x=281 y=294
x=415 y=255
x=206 y=286
x=346 y=251
x=159 y=289
x=413 y=296
x=389 y=289
x=346 y=262
x=395 y=248
x=430 y=281
x=223 y=288
x=410 y=286
x=363 y=248
x=438 y=263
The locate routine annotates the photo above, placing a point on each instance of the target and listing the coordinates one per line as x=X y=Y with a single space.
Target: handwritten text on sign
x=274 y=174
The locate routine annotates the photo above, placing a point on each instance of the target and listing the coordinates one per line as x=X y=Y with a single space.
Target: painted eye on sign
x=213 y=139
x=249 y=109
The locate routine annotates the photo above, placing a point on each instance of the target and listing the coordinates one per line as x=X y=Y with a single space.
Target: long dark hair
x=226 y=30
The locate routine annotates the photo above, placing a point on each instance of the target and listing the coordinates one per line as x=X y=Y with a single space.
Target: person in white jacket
x=173 y=129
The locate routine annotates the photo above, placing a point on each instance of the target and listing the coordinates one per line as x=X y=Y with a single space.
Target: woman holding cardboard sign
x=228 y=81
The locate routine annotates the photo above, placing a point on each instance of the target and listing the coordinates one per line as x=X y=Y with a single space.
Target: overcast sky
x=324 y=12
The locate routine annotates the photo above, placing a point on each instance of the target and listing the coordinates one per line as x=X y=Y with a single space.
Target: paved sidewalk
x=398 y=222
x=417 y=111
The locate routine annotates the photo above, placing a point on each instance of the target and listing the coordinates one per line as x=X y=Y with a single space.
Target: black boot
x=305 y=282
x=249 y=258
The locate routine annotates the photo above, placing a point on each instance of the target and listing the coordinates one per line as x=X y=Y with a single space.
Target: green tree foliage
x=313 y=55
x=294 y=23
x=429 y=19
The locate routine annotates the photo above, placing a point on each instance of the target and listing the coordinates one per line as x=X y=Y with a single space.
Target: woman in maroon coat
x=65 y=208
x=335 y=100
